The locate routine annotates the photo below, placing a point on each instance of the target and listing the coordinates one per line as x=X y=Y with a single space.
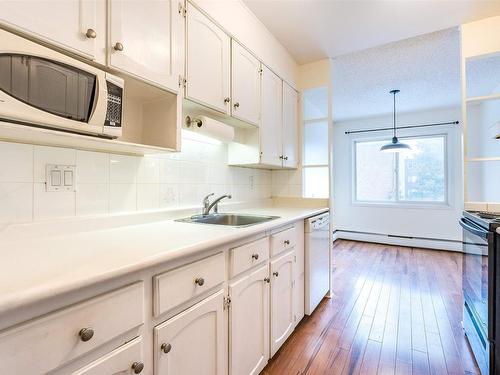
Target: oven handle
x=464 y=223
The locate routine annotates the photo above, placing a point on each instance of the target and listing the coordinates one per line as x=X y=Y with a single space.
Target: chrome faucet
x=207 y=206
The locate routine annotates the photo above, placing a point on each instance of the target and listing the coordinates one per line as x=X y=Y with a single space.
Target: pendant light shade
x=395 y=145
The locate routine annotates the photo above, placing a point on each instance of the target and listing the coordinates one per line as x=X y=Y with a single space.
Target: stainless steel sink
x=233 y=220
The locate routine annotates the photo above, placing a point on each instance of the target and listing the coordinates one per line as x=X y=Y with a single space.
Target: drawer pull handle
x=166 y=348
x=199 y=281
x=86 y=334
x=267 y=280
x=287 y=242
x=276 y=274
x=255 y=256
x=137 y=367
x=236 y=105
x=91 y=34
x=118 y=46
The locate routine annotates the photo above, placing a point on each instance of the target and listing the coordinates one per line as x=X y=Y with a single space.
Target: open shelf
x=151 y=124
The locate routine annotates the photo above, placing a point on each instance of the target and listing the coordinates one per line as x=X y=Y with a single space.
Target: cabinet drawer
x=180 y=285
x=51 y=341
x=127 y=359
x=245 y=256
x=282 y=241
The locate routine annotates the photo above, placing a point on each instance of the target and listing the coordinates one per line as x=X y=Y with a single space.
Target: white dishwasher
x=317 y=260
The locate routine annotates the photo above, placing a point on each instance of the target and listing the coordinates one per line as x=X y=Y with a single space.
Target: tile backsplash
x=110 y=183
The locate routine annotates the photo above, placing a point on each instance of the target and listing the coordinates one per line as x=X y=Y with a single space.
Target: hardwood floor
x=395 y=310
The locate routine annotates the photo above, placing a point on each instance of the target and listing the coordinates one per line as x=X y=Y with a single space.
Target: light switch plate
x=60 y=177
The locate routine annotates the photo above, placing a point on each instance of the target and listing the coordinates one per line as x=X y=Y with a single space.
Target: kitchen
x=199 y=187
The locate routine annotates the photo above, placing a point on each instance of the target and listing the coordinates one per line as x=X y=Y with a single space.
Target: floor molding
x=426 y=243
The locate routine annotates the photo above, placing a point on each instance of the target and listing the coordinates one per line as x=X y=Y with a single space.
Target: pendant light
x=395 y=145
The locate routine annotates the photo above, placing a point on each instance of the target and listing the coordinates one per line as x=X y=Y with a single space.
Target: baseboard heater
x=338 y=231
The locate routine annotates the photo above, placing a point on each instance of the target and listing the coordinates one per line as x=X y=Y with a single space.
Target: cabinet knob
x=286 y=242
x=236 y=105
x=281 y=157
x=255 y=256
x=286 y=157
x=227 y=100
x=166 y=348
x=91 y=34
x=276 y=274
x=118 y=46
x=86 y=334
x=199 y=281
x=137 y=367
x=267 y=280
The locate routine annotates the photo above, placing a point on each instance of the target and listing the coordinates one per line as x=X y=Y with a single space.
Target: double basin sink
x=227 y=219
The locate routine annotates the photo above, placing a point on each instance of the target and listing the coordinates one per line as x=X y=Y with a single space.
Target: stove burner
x=489 y=215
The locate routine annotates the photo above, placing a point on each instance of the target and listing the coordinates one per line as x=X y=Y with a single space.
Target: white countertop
x=37 y=267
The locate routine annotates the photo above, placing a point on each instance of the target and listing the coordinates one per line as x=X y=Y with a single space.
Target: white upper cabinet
x=207 y=62
x=271 y=118
x=282 y=300
x=144 y=40
x=193 y=342
x=249 y=323
x=245 y=94
x=290 y=145
x=72 y=25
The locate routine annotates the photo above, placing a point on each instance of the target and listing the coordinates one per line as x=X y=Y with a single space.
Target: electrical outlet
x=60 y=177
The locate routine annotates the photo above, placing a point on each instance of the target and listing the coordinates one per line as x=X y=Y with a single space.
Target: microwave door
x=48 y=93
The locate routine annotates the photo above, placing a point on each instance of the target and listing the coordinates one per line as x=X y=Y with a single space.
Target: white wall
x=435 y=223
x=108 y=183
x=243 y=25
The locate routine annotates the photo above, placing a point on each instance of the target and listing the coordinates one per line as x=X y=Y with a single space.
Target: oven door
x=478 y=290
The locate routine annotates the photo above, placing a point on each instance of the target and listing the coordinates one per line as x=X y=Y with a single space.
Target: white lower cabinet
x=193 y=342
x=282 y=300
x=249 y=323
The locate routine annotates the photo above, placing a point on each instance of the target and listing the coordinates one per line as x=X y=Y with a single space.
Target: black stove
x=488 y=220
x=481 y=287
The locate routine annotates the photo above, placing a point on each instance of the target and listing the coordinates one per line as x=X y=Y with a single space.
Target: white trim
x=482 y=98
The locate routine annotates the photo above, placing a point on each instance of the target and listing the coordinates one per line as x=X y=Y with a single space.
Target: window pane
x=374 y=172
x=316 y=143
x=316 y=103
x=316 y=182
x=422 y=171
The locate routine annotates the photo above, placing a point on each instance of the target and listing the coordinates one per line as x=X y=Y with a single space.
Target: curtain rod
x=403 y=127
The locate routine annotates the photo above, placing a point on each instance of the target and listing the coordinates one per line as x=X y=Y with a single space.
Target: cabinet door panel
x=196 y=340
x=153 y=52
x=290 y=145
x=299 y=298
x=249 y=323
x=207 y=62
x=245 y=85
x=60 y=22
x=271 y=118
x=282 y=300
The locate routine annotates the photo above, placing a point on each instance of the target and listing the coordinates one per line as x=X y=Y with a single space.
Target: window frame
x=444 y=204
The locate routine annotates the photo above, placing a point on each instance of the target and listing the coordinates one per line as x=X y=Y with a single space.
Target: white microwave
x=44 y=88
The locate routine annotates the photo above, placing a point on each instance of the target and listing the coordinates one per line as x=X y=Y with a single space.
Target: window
x=413 y=177
x=315 y=143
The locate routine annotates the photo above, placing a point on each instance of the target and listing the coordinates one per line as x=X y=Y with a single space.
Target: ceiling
x=426 y=69
x=315 y=29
